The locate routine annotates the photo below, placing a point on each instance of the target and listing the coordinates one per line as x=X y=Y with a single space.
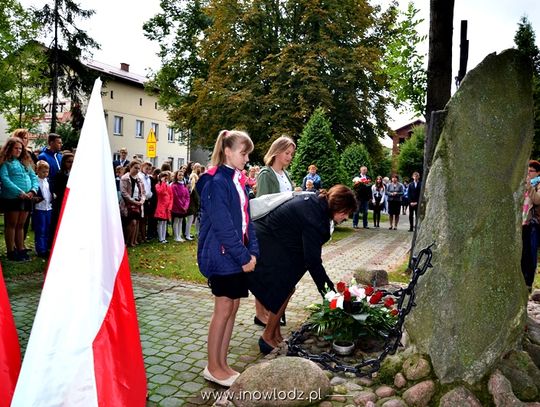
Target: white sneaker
x=189 y=237
x=179 y=240
x=163 y=241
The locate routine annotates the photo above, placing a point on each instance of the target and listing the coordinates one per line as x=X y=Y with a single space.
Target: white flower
x=330 y=295
x=339 y=303
x=358 y=292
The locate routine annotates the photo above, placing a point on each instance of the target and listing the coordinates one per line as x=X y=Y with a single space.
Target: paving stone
x=156 y=369
x=161 y=378
x=166 y=390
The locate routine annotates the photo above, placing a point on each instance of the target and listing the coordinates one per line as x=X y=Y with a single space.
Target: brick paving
x=174 y=315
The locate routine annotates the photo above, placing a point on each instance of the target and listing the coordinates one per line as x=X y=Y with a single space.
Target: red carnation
x=333 y=304
x=394 y=312
x=341 y=287
x=346 y=295
x=389 y=302
x=375 y=298
x=369 y=290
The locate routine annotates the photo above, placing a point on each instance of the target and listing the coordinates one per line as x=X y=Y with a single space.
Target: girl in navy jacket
x=227 y=246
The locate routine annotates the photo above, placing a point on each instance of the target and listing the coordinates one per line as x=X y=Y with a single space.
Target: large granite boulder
x=289 y=381
x=472 y=304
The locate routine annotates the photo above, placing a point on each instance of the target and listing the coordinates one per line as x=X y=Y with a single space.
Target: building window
x=139 y=129
x=112 y=95
x=171 y=161
x=139 y=157
x=155 y=126
x=154 y=161
x=180 y=162
x=140 y=101
x=170 y=134
x=116 y=156
x=118 y=125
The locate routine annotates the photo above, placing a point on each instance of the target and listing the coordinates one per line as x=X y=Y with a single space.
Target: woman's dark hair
x=535 y=164
x=63 y=164
x=340 y=199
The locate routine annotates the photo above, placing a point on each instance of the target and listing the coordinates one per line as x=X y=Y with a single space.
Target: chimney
x=124 y=66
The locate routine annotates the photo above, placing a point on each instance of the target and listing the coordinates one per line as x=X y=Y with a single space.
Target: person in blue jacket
x=19 y=187
x=52 y=154
x=227 y=247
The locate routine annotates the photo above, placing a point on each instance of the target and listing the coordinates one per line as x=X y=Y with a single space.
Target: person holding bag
x=131 y=206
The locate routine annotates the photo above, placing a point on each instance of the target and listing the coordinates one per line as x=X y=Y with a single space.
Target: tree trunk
x=439 y=74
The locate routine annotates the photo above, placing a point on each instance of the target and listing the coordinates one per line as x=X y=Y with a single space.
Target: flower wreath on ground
x=352 y=312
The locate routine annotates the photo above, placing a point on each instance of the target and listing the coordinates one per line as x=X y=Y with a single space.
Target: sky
x=117 y=26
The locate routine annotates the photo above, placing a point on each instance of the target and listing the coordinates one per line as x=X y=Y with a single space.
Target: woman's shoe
x=264 y=347
x=225 y=383
x=257 y=321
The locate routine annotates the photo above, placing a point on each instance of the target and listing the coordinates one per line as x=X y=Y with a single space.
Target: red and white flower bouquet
x=353 y=311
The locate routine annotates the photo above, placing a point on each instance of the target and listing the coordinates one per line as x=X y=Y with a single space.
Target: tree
x=355 y=156
x=317 y=146
x=439 y=73
x=525 y=40
x=266 y=65
x=405 y=66
x=21 y=66
x=411 y=154
x=68 y=74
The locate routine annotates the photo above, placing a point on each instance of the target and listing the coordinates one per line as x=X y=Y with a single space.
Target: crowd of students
x=152 y=198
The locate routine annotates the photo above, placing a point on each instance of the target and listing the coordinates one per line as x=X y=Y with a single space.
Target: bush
x=316 y=145
x=411 y=155
x=355 y=156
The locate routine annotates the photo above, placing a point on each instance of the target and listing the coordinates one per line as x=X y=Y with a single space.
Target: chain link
x=406 y=297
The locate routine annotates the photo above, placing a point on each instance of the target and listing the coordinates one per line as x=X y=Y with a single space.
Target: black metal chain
x=406 y=297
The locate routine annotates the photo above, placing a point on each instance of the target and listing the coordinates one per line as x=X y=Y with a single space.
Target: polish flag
x=84 y=348
x=10 y=351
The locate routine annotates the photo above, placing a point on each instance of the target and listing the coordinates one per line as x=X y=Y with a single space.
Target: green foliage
x=411 y=154
x=70 y=136
x=383 y=166
x=266 y=65
x=404 y=66
x=525 y=40
x=354 y=156
x=22 y=84
x=317 y=146
x=74 y=78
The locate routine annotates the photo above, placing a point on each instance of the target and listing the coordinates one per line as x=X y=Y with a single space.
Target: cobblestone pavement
x=174 y=316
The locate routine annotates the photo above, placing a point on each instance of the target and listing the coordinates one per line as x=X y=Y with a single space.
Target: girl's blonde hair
x=278 y=146
x=42 y=164
x=229 y=138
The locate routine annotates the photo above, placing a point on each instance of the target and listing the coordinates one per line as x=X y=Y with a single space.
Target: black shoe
x=264 y=347
x=23 y=256
x=12 y=256
x=410 y=230
x=390 y=228
x=355 y=227
x=366 y=227
x=257 y=321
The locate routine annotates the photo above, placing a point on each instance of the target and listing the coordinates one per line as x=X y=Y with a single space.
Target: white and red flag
x=10 y=351
x=84 y=348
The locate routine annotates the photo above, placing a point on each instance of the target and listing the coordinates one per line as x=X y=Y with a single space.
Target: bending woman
x=290 y=242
